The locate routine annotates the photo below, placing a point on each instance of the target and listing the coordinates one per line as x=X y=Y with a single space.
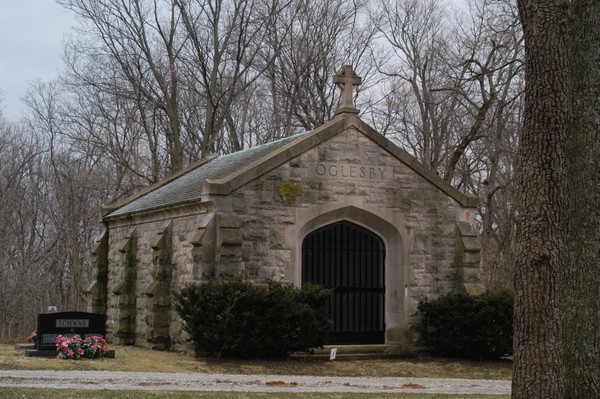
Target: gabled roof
x=222 y=175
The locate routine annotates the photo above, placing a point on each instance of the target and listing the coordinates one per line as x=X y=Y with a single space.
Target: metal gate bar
x=349 y=259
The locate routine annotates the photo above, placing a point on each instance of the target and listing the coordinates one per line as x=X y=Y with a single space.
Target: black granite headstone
x=51 y=325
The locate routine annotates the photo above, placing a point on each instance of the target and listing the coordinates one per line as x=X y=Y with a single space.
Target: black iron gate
x=349 y=259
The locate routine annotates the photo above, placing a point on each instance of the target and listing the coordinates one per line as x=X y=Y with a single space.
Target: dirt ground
x=118 y=380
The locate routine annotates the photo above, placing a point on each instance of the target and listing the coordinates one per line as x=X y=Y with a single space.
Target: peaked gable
x=221 y=175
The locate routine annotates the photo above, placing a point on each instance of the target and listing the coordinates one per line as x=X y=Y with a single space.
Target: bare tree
x=445 y=82
x=488 y=58
x=497 y=188
x=130 y=49
x=316 y=38
x=55 y=197
x=581 y=312
x=229 y=51
x=107 y=128
x=538 y=279
x=416 y=33
x=491 y=174
x=22 y=229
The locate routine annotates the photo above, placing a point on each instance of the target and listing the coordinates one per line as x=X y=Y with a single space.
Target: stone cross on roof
x=346 y=79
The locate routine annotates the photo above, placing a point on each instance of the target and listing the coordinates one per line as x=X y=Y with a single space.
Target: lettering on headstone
x=49 y=339
x=331 y=170
x=82 y=323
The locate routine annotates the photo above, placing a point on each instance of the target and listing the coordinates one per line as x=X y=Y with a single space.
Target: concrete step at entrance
x=357 y=352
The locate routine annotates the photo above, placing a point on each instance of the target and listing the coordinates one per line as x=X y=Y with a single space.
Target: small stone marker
x=332 y=354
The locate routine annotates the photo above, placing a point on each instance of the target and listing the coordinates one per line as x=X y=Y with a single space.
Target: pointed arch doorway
x=350 y=260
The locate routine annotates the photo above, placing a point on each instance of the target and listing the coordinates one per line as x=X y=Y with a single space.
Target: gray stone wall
x=182 y=229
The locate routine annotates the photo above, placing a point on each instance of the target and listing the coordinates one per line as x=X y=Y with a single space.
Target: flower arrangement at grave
x=77 y=348
x=33 y=337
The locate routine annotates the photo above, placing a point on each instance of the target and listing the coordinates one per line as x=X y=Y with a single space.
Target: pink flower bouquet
x=76 y=348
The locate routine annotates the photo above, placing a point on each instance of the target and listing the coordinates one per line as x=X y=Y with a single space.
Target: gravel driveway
x=249 y=383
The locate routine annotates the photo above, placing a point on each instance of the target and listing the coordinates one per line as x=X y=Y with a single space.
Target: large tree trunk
x=582 y=271
x=538 y=370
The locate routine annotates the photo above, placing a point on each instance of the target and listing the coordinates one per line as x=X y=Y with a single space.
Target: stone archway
x=385 y=224
x=350 y=260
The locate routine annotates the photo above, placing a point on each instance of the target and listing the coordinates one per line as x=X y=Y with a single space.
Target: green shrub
x=462 y=325
x=243 y=319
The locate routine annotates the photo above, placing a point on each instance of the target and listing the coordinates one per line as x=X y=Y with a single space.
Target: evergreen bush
x=237 y=318
x=467 y=326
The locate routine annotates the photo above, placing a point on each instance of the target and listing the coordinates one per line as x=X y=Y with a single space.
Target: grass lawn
x=130 y=358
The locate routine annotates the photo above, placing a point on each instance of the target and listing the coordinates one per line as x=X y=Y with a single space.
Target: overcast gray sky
x=31 y=39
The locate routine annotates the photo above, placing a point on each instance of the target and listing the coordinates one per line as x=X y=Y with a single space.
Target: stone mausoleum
x=340 y=206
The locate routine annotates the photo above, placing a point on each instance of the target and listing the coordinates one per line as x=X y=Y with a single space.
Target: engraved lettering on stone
x=333 y=170
x=329 y=170
x=320 y=169
x=69 y=323
x=49 y=339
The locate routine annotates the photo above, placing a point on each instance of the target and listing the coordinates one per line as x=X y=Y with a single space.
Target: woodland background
x=151 y=86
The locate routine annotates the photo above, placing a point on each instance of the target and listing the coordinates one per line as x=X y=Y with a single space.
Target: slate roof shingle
x=186 y=187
